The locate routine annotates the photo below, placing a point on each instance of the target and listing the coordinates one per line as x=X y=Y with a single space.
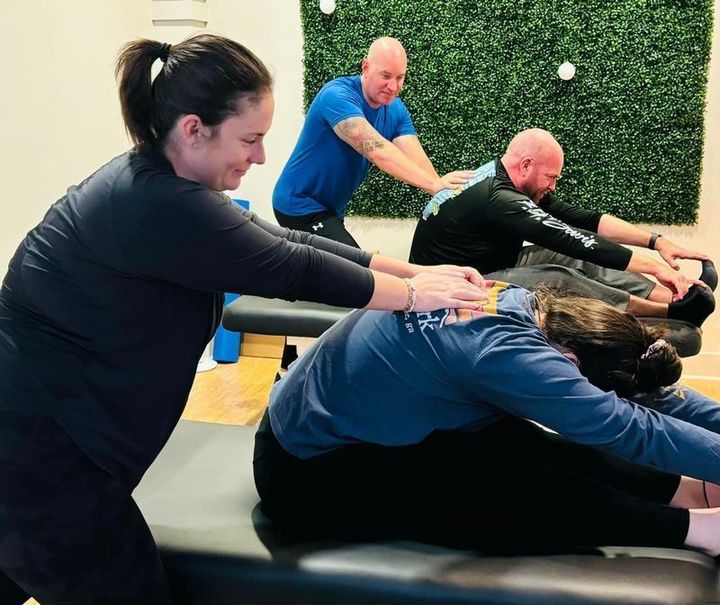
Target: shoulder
x=147 y=186
x=515 y=302
x=344 y=87
x=125 y=182
x=146 y=177
x=497 y=330
x=502 y=190
x=337 y=100
x=507 y=306
x=510 y=304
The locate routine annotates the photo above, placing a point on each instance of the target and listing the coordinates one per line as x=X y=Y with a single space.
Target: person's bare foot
x=704 y=531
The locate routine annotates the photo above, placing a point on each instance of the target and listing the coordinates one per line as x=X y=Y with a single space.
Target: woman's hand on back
x=448 y=289
x=468 y=273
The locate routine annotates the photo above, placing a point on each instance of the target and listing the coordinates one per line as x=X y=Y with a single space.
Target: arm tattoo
x=358 y=133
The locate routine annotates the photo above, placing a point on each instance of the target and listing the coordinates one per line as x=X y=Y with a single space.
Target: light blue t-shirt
x=323 y=171
x=393 y=378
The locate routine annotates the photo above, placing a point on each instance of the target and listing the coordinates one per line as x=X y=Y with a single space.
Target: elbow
x=377 y=156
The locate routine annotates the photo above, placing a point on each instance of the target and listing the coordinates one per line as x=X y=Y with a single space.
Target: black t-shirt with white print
x=485 y=227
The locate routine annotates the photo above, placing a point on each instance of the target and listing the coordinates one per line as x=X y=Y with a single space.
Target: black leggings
x=510 y=488
x=69 y=532
x=327 y=224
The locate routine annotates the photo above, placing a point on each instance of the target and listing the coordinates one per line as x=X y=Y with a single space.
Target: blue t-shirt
x=393 y=378
x=323 y=171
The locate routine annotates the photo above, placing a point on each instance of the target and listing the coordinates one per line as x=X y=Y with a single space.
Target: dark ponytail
x=205 y=75
x=614 y=350
x=133 y=73
x=659 y=366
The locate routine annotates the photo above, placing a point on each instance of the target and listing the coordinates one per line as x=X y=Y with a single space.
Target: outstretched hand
x=468 y=273
x=670 y=253
x=453 y=179
x=676 y=282
x=440 y=291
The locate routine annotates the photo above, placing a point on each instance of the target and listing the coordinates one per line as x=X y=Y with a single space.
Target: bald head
x=534 y=142
x=534 y=161
x=386 y=48
x=383 y=71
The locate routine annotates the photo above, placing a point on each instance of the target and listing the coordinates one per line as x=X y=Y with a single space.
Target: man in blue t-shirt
x=352 y=122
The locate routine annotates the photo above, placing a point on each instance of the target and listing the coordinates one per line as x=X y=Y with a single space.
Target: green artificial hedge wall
x=630 y=122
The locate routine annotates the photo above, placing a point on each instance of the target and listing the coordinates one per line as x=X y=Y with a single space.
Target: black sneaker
x=709 y=274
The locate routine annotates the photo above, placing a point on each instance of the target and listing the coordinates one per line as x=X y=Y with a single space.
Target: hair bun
x=659 y=366
x=164 y=52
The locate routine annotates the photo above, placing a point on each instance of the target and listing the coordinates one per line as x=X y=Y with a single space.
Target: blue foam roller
x=226 y=346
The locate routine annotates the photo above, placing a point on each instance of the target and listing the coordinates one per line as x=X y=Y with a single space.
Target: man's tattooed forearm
x=358 y=133
x=368 y=146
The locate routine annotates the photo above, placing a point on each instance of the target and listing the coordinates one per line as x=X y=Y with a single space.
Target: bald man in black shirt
x=510 y=200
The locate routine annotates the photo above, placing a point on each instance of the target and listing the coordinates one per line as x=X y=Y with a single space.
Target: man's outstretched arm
x=368 y=142
x=410 y=145
x=622 y=232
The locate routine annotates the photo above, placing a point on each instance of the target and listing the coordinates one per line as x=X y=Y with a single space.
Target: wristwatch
x=653 y=238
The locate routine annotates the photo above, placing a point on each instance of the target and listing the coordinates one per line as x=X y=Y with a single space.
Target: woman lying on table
x=419 y=426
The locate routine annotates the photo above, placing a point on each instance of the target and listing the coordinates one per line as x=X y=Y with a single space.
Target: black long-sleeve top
x=486 y=224
x=109 y=302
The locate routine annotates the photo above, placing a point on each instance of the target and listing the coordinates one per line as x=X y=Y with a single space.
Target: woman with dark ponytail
x=618 y=352
x=109 y=302
x=422 y=430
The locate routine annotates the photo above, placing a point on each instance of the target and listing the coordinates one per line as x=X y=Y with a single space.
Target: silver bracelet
x=412 y=295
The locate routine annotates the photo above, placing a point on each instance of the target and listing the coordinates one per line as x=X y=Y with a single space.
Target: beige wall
x=58 y=100
x=62 y=119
